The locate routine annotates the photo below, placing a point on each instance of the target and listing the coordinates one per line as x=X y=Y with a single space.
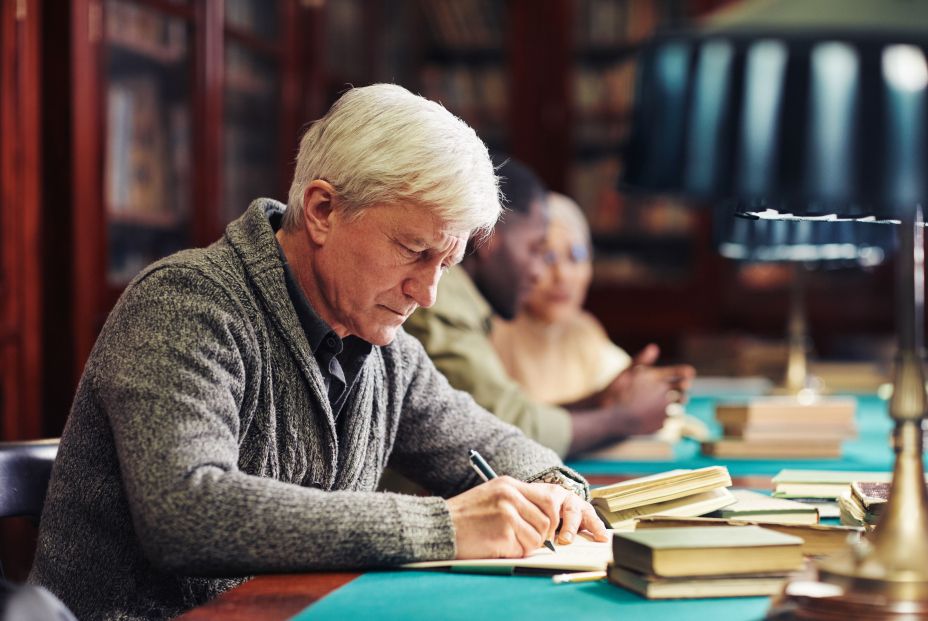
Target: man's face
x=517 y=260
x=376 y=268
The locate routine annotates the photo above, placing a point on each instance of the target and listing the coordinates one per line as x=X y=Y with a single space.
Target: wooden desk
x=270 y=598
x=279 y=597
x=282 y=596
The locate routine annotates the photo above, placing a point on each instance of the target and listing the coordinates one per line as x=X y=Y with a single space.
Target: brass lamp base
x=824 y=601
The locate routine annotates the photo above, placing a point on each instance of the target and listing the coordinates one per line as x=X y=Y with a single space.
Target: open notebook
x=583 y=554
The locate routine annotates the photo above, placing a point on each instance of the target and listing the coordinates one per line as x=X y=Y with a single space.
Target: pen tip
x=550 y=546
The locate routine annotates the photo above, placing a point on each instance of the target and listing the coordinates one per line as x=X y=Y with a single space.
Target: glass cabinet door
x=637 y=241
x=148 y=73
x=252 y=166
x=465 y=64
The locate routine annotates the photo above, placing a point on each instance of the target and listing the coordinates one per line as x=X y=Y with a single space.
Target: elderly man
x=495 y=278
x=242 y=400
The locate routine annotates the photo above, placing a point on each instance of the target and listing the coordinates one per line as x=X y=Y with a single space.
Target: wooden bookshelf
x=166 y=116
x=20 y=221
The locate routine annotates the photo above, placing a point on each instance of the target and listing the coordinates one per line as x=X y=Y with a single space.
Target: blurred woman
x=557 y=351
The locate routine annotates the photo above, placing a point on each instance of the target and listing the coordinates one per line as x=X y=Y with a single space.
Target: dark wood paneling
x=20 y=264
x=539 y=52
x=88 y=260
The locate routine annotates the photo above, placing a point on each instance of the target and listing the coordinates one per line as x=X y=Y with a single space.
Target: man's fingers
x=591 y=522
x=647 y=356
x=527 y=534
x=571 y=516
x=524 y=499
x=549 y=499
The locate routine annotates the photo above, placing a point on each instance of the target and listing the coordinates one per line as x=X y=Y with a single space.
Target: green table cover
x=385 y=596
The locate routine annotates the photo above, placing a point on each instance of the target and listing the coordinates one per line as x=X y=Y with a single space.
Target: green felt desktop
x=871 y=450
x=392 y=595
x=431 y=595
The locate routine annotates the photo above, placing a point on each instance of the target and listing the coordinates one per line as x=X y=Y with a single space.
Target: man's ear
x=318 y=210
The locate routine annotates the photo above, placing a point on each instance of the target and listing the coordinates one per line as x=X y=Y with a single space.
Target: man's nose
x=423 y=287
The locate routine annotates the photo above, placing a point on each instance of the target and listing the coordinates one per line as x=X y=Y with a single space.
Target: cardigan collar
x=252 y=236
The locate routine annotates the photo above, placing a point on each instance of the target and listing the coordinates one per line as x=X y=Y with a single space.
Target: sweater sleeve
x=467 y=358
x=440 y=424
x=174 y=366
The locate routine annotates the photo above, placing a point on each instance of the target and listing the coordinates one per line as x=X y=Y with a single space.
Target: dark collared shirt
x=339 y=359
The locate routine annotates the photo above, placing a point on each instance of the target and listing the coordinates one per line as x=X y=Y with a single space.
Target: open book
x=583 y=554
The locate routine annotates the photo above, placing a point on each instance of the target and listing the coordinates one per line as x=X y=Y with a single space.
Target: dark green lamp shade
x=813 y=108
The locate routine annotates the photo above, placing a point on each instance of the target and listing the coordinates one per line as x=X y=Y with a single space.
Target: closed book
x=707 y=551
x=817 y=539
x=657 y=587
x=838 y=411
x=694 y=505
x=789 y=432
x=762 y=508
x=659 y=487
x=851 y=512
x=872 y=496
x=823 y=484
x=773 y=449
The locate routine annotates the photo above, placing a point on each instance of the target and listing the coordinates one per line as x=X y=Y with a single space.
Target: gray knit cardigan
x=201 y=446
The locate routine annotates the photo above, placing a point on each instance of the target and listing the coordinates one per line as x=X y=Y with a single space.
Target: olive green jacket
x=455 y=333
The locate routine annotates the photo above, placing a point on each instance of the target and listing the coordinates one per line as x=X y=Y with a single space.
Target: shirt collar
x=318 y=332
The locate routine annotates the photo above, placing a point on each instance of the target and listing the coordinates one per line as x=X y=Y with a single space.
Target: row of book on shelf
x=467 y=89
x=464 y=24
x=477 y=24
x=146 y=31
x=148 y=152
x=605 y=23
x=604 y=90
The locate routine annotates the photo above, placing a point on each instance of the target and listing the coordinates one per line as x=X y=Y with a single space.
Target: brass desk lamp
x=802 y=245
x=814 y=110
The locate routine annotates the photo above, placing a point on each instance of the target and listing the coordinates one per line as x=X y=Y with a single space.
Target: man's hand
x=507 y=518
x=644 y=391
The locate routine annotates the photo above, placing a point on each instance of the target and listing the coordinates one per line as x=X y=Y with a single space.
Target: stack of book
x=817 y=539
x=864 y=504
x=683 y=493
x=764 y=509
x=822 y=488
x=719 y=561
x=644 y=447
x=777 y=427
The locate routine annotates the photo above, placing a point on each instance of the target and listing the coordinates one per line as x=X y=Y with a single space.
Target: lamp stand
x=797 y=366
x=885 y=576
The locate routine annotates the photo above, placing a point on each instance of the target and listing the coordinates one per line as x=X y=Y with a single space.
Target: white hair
x=382 y=144
x=565 y=211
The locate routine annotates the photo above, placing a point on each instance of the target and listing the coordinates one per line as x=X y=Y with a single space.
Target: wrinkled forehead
x=416 y=223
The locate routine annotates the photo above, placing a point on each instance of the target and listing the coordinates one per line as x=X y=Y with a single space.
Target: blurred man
x=495 y=277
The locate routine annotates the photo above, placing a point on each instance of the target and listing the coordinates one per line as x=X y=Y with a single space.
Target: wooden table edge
x=278 y=596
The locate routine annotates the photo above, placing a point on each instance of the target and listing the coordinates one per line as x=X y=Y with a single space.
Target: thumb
x=647 y=356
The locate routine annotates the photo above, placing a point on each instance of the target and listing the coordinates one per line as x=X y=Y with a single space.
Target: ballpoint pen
x=486 y=473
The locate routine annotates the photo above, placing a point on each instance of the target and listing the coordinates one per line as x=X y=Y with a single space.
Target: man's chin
x=381 y=337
